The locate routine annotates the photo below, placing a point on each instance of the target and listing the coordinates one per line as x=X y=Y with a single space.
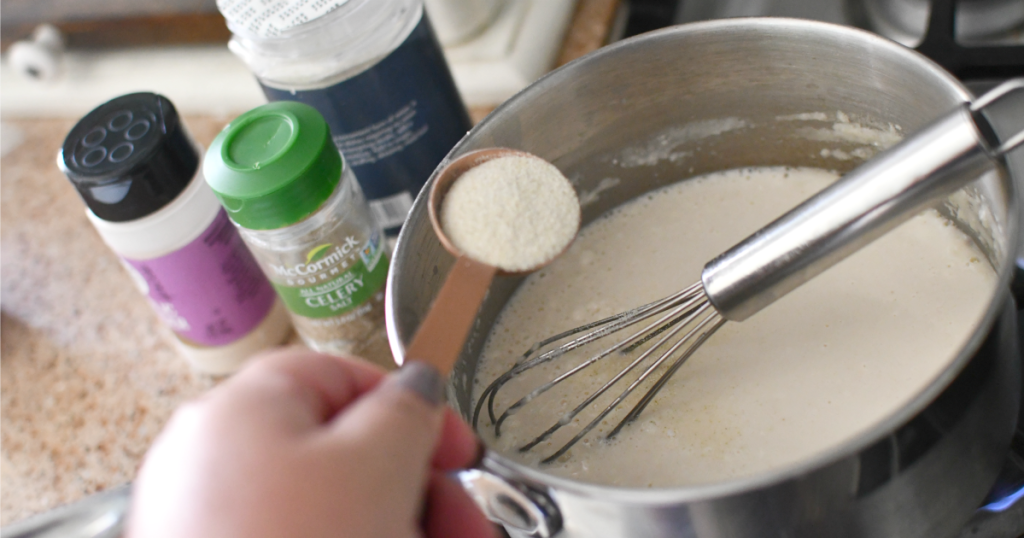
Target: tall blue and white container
x=376 y=72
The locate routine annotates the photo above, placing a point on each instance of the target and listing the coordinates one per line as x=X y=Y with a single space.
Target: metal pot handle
x=511 y=503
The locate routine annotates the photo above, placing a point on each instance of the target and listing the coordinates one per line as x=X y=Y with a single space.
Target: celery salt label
x=336 y=279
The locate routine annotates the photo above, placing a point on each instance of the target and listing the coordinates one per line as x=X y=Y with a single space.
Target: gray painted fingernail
x=422 y=379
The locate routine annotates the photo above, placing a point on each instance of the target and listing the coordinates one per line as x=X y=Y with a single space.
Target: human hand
x=304 y=445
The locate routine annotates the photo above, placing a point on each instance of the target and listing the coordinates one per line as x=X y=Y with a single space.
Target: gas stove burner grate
x=966 y=62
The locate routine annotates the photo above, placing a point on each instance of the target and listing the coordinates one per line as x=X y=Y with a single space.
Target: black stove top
x=979 y=41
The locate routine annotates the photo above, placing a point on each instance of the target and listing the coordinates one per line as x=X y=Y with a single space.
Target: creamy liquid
x=809 y=372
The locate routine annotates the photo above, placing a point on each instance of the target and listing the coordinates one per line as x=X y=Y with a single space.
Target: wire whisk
x=860 y=207
x=687 y=309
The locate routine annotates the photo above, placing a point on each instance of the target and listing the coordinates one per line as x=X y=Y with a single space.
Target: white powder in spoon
x=516 y=213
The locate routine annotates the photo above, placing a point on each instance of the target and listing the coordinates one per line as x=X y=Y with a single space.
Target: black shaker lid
x=129 y=157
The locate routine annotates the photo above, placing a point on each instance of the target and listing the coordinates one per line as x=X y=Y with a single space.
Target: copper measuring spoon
x=442 y=333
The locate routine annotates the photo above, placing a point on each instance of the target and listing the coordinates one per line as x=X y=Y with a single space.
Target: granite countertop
x=87 y=376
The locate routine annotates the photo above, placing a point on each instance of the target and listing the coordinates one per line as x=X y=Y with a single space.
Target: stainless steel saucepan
x=694 y=99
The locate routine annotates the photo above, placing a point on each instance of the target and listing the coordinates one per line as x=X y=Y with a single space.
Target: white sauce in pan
x=816 y=368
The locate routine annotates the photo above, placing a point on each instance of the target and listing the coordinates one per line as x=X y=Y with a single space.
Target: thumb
x=394 y=431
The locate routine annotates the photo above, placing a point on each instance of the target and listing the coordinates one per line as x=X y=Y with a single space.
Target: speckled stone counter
x=87 y=376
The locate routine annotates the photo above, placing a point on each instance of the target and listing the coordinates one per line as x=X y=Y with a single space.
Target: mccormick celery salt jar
x=374 y=70
x=299 y=208
x=138 y=171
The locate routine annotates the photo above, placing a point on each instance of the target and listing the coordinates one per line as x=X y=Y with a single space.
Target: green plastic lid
x=274 y=165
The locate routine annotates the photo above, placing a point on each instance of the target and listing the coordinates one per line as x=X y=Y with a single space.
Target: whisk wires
x=687 y=309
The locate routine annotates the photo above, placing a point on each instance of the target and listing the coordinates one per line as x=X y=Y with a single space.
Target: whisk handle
x=857 y=209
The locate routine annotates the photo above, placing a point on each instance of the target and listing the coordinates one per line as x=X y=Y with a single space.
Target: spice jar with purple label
x=138 y=170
